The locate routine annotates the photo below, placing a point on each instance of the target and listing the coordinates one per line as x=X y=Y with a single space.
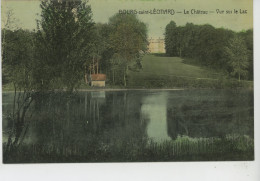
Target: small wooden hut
x=98 y=80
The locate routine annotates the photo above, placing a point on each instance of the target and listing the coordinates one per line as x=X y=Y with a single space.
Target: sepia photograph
x=98 y=81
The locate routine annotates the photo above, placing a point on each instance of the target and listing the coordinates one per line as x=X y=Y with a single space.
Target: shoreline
x=129 y=89
x=116 y=89
x=138 y=89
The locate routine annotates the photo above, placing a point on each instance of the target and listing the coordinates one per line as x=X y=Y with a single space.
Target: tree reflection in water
x=115 y=123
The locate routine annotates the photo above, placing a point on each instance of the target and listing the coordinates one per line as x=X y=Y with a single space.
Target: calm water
x=106 y=117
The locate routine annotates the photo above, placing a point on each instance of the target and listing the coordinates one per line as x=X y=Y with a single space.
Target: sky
x=25 y=11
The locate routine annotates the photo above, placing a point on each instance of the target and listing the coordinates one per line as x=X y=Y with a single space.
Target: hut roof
x=98 y=77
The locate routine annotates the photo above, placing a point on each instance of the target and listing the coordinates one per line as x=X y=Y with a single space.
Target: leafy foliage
x=128 y=39
x=17 y=58
x=17 y=69
x=64 y=41
x=51 y=58
x=206 y=45
x=236 y=52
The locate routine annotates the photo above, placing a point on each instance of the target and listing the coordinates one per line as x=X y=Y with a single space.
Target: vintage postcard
x=127 y=81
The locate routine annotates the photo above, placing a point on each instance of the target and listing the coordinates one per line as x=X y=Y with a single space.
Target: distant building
x=156 y=45
x=98 y=80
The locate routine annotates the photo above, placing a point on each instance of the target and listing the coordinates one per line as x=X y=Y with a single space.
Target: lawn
x=155 y=67
x=159 y=71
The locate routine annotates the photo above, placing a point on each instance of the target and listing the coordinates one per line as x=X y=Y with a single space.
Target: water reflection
x=197 y=113
x=94 y=118
x=155 y=108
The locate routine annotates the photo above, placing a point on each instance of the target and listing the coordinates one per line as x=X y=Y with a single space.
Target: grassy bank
x=182 y=149
x=172 y=72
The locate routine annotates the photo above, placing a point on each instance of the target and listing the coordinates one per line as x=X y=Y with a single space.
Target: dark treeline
x=68 y=45
x=218 y=48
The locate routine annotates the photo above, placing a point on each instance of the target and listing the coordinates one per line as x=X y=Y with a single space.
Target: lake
x=96 y=121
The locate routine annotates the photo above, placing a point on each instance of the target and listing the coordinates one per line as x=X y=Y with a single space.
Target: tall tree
x=64 y=41
x=169 y=36
x=248 y=38
x=9 y=22
x=17 y=66
x=99 y=49
x=128 y=40
x=9 y=25
x=54 y=55
x=236 y=53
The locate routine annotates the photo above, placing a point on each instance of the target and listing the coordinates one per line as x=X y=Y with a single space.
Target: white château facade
x=156 y=45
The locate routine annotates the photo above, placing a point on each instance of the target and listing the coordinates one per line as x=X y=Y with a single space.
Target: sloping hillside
x=161 y=71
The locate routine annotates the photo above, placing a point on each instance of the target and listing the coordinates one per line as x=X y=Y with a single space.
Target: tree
x=99 y=49
x=36 y=62
x=17 y=65
x=9 y=23
x=248 y=38
x=182 y=39
x=236 y=53
x=64 y=43
x=169 y=35
x=128 y=40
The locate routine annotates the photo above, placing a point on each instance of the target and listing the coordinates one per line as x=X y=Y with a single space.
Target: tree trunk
x=125 y=73
x=97 y=66
x=93 y=65
x=124 y=79
x=113 y=72
x=86 y=75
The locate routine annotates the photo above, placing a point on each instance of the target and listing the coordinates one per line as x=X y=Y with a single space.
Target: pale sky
x=25 y=11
